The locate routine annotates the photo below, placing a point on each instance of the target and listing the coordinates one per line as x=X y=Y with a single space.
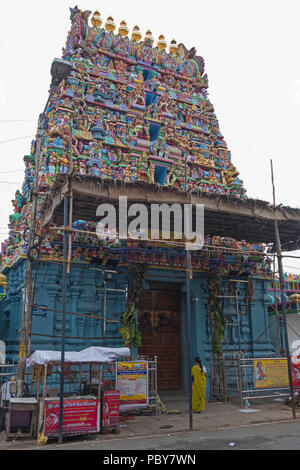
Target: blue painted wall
x=85 y=294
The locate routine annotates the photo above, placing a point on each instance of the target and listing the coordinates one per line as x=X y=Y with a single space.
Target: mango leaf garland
x=217 y=321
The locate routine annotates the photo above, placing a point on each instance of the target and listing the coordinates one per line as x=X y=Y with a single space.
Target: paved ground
x=220 y=424
x=272 y=436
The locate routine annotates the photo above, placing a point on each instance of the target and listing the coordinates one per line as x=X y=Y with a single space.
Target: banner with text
x=270 y=373
x=79 y=417
x=132 y=382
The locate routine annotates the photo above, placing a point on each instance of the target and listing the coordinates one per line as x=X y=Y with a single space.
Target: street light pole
x=63 y=333
x=188 y=278
x=27 y=307
x=60 y=69
x=189 y=334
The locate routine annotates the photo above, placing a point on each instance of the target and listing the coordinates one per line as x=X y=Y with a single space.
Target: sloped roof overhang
x=251 y=220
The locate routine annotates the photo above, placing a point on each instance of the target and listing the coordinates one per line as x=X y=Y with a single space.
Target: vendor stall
x=84 y=402
x=21 y=421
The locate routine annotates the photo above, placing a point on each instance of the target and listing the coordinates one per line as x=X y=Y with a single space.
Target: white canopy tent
x=90 y=355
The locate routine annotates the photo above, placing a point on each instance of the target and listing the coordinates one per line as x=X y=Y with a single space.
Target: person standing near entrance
x=199 y=375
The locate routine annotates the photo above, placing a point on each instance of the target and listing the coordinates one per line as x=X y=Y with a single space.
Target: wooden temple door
x=158 y=316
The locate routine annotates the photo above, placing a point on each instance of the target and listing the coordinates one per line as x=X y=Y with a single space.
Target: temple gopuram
x=134 y=119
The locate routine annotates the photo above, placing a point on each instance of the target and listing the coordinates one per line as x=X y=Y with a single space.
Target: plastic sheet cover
x=93 y=354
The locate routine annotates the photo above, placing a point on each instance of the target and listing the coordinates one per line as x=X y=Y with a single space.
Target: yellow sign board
x=22 y=351
x=270 y=373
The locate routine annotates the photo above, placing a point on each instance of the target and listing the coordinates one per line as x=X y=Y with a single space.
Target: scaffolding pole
x=235 y=297
x=208 y=248
x=189 y=275
x=63 y=329
x=281 y=351
x=70 y=221
x=283 y=300
x=28 y=294
x=28 y=291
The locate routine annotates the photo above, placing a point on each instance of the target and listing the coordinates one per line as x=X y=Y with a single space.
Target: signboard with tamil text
x=110 y=408
x=79 y=417
x=270 y=373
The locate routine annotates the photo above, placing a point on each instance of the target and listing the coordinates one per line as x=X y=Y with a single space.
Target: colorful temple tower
x=131 y=114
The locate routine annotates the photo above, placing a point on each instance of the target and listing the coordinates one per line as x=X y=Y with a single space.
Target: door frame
x=176 y=286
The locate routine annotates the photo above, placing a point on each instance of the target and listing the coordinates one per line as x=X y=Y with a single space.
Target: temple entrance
x=158 y=316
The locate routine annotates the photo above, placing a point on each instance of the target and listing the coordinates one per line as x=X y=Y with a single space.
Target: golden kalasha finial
x=149 y=36
x=3 y=283
x=123 y=30
x=173 y=47
x=96 y=19
x=110 y=25
x=161 y=43
x=136 y=34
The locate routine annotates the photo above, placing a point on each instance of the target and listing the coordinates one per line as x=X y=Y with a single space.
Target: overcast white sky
x=251 y=52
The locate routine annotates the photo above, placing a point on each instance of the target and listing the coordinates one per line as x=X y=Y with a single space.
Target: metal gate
x=233 y=375
x=225 y=381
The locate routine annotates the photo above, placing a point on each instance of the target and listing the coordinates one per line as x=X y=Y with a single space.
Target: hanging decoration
x=217 y=321
x=129 y=331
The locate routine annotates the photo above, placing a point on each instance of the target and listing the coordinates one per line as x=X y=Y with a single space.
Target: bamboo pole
x=276 y=312
x=64 y=294
x=167 y=242
x=282 y=289
x=70 y=200
x=45 y=381
x=30 y=314
x=96 y=338
x=26 y=310
x=94 y=317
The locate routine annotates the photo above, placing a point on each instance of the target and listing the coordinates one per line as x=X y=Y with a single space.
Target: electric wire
x=17 y=120
x=11 y=171
x=16 y=138
x=10 y=182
